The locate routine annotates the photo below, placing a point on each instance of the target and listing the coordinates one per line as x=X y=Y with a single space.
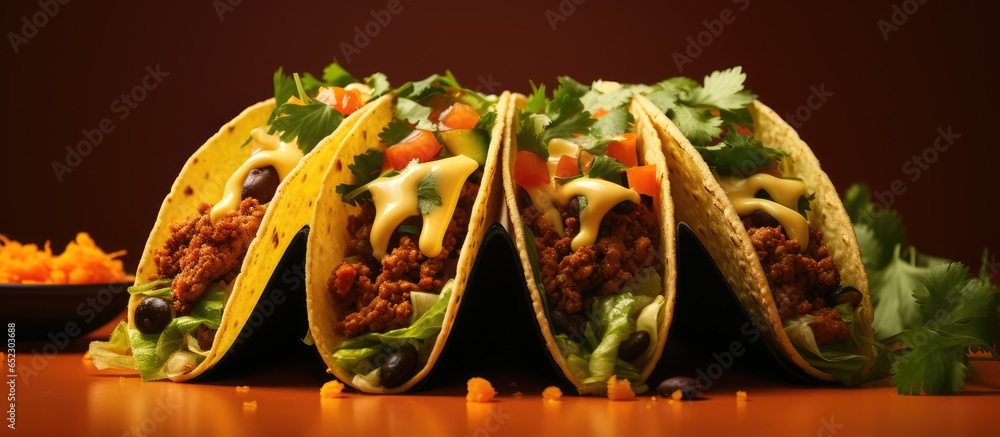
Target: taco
x=397 y=228
x=755 y=196
x=227 y=221
x=586 y=186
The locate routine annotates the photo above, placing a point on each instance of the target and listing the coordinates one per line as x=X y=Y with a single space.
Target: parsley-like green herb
x=366 y=168
x=308 y=123
x=394 y=132
x=379 y=84
x=408 y=229
x=616 y=122
x=427 y=195
x=411 y=111
x=487 y=121
x=531 y=132
x=606 y=167
x=739 y=155
x=421 y=89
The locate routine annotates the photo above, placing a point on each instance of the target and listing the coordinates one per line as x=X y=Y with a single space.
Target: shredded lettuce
x=165 y=354
x=421 y=302
x=354 y=354
x=845 y=359
x=153 y=288
x=649 y=320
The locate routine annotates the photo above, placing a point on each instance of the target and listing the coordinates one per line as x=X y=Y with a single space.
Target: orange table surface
x=68 y=396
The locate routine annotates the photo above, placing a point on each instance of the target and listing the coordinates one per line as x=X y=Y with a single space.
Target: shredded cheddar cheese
x=81 y=263
x=676 y=395
x=332 y=389
x=741 y=396
x=242 y=389
x=480 y=390
x=620 y=390
x=552 y=393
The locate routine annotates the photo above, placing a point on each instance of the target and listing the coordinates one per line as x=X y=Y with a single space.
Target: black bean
x=847 y=294
x=571 y=325
x=690 y=388
x=400 y=367
x=261 y=184
x=152 y=315
x=624 y=207
x=633 y=346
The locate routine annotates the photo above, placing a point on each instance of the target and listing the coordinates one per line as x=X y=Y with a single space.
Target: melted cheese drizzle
x=271 y=152
x=601 y=196
x=786 y=194
x=395 y=200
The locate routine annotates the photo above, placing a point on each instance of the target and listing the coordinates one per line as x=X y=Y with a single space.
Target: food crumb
x=518 y=394
x=332 y=389
x=620 y=390
x=652 y=398
x=242 y=389
x=86 y=356
x=551 y=393
x=741 y=396
x=671 y=401
x=249 y=405
x=121 y=380
x=676 y=395
x=480 y=390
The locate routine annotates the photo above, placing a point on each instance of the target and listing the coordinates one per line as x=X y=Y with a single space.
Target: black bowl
x=59 y=313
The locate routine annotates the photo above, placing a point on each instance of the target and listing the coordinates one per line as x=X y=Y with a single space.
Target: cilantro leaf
x=804 y=206
x=366 y=168
x=722 y=90
x=411 y=111
x=739 y=155
x=379 y=84
x=284 y=89
x=615 y=122
x=487 y=121
x=663 y=99
x=886 y=225
x=427 y=195
x=434 y=83
x=697 y=124
x=335 y=75
x=606 y=167
x=530 y=134
x=397 y=130
x=537 y=102
x=594 y=99
x=565 y=101
x=309 y=124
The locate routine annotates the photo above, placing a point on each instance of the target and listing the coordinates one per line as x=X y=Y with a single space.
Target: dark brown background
x=937 y=70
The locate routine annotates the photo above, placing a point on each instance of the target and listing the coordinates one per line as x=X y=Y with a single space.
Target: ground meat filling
x=801 y=282
x=375 y=294
x=199 y=253
x=626 y=244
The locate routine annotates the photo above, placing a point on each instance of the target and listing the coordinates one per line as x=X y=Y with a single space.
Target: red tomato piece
x=567 y=167
x=343 y=100
x=530 y=170
x=624 y=150
x=458 y=116
x=420 y=145
x=642 y=179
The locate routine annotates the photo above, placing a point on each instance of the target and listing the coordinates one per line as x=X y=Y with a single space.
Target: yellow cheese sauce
x=395 y=200
x=601 y=196
x=786 y=194
x=271 y=151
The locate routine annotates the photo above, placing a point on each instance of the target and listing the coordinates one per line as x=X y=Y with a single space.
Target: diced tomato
x=438 y=103
x=743 y=130
x=458 y=116
x=624 y=150
x=420 y=145
x=599 y=113
x=586 y=160
x=530 y=170
x=642 y=179
x=715 y=112
x=567 y=167
x=771 y=168
x=343 y=100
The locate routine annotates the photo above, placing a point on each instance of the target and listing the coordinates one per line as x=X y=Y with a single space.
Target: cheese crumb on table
x=332 y=389
x=242 y=389
x=741 y=396
x=551 y=393
x=620 y=390
x=480 y=390
x=250 y=406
